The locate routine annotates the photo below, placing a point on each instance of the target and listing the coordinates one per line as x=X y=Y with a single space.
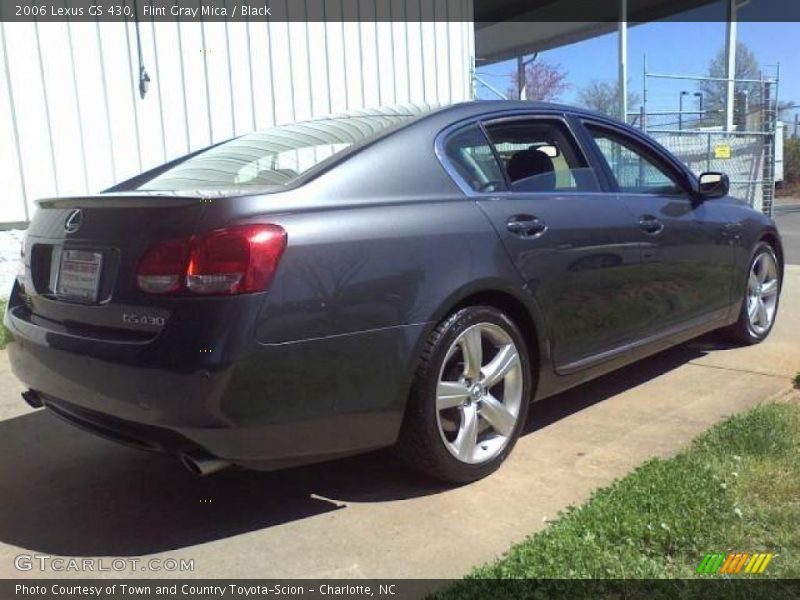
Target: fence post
x=768 y=184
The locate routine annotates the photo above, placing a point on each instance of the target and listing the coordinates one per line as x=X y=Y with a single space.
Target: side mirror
x=713 y=185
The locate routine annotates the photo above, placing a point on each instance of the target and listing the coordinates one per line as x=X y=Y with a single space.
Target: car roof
x=460 y=110
x=481 y=108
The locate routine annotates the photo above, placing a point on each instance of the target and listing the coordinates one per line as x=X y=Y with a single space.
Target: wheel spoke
x=769 y=288
x=763 y=317
x=753 y=282
x=467 y=437
x=473 y=353
x=505 y=360
x=450 y=394
x=763 y=268
x=752 y=309
x=498 y=416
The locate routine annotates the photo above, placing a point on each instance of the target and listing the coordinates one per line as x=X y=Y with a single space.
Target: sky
x=684 y=48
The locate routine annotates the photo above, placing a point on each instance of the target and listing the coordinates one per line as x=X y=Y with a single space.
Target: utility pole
x=731 y=60
x=522 y=78
x=623 y=60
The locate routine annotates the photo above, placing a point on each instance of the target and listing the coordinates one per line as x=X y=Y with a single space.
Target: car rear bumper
x=273 y=406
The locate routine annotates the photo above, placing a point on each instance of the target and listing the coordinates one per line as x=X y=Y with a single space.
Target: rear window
x=275 y=156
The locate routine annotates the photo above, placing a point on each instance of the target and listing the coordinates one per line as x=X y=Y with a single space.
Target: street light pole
x=680 y=110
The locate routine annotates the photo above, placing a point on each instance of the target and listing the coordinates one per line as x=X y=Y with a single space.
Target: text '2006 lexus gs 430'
x=401 y=277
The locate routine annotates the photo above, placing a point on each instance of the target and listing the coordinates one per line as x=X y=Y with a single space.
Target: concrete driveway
x=63 y=492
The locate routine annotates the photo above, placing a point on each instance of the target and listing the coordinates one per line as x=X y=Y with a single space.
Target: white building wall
x=72 y=121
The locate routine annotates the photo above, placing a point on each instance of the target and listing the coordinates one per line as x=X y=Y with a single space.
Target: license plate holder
x=79 y=275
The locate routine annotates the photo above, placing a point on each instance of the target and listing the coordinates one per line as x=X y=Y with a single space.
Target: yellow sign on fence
x=722 y=151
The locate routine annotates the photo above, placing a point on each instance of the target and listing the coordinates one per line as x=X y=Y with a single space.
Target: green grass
x=797 y=381
x=737 y=488
x=5 y=336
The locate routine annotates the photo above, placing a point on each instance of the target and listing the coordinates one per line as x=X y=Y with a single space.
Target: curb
x=782 y=209
x=788 y=395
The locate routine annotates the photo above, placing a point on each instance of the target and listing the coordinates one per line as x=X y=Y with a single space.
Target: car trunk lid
x=81 y=255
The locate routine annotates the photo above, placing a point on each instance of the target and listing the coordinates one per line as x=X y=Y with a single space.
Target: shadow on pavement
x=68 y=493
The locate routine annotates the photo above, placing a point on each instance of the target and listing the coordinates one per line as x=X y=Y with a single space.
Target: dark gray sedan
x=389 y=277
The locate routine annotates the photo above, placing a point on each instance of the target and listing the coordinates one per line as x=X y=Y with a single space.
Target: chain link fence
x=701 y=139
x=741 y=155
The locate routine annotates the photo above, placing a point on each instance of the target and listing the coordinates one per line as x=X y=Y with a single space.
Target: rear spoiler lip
x=122 y=200
x=135 y=199
x=115 y=201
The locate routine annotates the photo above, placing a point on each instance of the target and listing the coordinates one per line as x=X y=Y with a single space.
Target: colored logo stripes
x=737 y=562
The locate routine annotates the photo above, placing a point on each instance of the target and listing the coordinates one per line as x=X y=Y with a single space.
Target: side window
x=635 y=173
x=540 y=156
x=469 y=152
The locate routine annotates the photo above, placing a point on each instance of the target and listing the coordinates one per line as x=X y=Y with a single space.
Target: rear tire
x=469 y=399
x=761 y=299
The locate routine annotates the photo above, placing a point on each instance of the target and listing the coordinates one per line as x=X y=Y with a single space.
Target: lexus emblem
x=74 y=221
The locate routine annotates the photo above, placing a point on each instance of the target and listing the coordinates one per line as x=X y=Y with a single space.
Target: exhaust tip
x=201 y=466
x=32 y=398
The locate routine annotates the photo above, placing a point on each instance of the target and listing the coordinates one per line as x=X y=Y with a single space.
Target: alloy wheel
x=762 y=293
x=479 y=393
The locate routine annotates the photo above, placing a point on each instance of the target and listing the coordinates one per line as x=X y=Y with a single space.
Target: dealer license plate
x=79 y=275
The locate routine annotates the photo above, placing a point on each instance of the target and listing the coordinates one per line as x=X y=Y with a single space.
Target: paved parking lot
x=789 y=226
x=63 y=492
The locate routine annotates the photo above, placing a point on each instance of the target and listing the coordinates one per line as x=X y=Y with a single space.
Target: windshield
x=275 y=156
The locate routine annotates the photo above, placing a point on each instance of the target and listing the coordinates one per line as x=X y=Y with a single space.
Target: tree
x=716 y=92
x=791 y=161
x=603 y=97
x=544 y=82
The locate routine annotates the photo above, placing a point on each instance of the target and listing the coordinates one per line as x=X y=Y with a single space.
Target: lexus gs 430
x=401 y=277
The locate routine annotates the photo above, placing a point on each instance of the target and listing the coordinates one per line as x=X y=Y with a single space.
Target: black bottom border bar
x=399 y=589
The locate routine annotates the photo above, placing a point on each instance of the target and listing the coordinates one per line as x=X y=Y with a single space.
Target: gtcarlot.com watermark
x=60 y=564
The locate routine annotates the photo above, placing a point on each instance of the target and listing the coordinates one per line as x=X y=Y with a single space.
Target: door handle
x=650 y=225
x=526 y=226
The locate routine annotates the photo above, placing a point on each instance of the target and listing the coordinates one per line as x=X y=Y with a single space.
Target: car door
x=686 y=246
x=573 y=243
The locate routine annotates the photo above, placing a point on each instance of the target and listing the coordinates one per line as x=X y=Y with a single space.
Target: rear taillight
x=163 y=267
x=237 y=260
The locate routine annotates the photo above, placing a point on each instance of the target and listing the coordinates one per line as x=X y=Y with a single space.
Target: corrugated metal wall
x=72 y=121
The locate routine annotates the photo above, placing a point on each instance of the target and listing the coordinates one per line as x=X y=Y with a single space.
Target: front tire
x=469 y=399
x=762 y=295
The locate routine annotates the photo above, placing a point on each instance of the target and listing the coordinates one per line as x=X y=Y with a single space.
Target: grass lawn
x=737 y=488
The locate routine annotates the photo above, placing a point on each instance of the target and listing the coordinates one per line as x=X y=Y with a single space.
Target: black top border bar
x=483 y=12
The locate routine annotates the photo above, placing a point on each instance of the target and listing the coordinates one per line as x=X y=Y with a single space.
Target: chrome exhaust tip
x=202 y=465
x=32 y=398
